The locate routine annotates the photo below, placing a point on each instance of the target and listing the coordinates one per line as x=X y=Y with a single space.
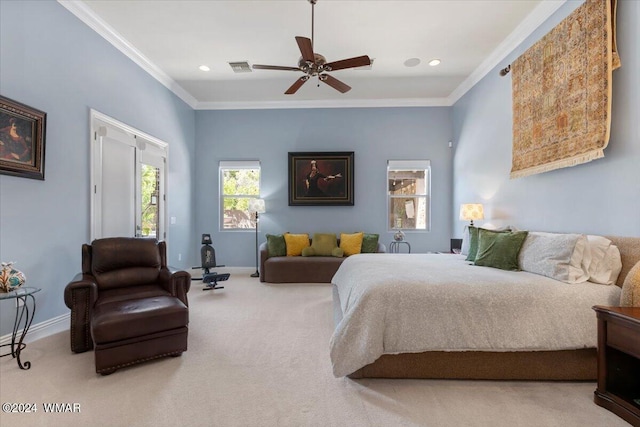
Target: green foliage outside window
x=239 y=186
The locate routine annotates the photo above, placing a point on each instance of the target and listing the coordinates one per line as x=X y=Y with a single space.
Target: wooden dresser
x=618 y=387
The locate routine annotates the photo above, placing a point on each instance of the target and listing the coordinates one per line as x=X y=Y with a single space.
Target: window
x=239 y=183
x=408 y=198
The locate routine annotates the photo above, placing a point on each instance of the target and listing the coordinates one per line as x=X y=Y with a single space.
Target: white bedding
x=409 y=303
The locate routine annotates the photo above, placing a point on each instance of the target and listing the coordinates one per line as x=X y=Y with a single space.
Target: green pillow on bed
x=499 y=249
x=369 y=243
x=473 y=243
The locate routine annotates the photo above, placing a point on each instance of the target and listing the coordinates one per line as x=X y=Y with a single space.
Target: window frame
x=226 y=165
x=409 y=165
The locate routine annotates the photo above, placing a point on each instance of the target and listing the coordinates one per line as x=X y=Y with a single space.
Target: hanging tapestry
x=562 y=92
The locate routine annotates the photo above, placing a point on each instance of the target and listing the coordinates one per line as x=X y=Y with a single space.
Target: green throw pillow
x=473 y=243
x=369 y=243
x=324 y=243
x=499 y=249
x=276 y=245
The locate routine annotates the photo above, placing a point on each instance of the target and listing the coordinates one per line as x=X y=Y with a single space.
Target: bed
x=437 y=316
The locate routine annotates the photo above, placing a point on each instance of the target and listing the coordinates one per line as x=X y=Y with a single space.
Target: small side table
x=394 y=247
x=618 y=387
x=24 y=317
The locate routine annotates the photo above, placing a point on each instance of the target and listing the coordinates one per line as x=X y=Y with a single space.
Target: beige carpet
x=258 y=356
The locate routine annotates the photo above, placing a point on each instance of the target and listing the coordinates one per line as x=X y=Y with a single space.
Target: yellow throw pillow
x=296 y=243
x=351 y=244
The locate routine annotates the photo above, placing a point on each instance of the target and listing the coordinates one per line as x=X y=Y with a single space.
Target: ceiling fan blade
x=358 y=61
x=294 y=87
x=274 y=67
x=306 y=48
x=335 y=83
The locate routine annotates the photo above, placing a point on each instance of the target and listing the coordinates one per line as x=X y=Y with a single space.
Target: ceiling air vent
x=240 y=67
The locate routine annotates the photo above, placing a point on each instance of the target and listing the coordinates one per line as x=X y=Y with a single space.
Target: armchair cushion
x=123 y=262
x=120 y=320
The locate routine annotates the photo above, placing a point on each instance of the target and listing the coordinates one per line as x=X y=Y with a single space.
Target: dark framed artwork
x=321 y=178
x=22 y=139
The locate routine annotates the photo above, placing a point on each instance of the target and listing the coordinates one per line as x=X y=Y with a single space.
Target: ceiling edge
x=326 y=103
x=90 y=18
x=537 y=16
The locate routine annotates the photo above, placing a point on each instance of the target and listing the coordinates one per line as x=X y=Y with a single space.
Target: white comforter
x=408 y=303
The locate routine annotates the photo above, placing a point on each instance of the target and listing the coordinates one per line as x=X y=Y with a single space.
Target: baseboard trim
x=42 y=329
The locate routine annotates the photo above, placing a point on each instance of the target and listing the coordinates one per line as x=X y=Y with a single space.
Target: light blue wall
x=601 y=197
x=51 y=61
x=375 y=135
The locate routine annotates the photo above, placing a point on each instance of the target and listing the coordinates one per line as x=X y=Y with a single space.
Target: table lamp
x=256 y=206
x=471 y=211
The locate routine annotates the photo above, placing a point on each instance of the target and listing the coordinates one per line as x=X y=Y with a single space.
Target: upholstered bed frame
x=526 y=365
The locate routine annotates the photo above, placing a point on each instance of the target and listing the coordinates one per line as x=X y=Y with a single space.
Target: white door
x=128 y=181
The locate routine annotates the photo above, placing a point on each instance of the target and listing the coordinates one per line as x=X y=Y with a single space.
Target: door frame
x=95 y=153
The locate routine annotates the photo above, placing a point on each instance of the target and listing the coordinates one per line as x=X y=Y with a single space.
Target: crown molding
x=91 y=19
x=325 y=103
x=540 y=14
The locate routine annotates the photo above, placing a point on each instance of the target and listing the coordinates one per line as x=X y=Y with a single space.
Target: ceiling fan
x=313 y=64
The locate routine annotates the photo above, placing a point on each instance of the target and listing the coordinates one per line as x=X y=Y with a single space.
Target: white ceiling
x=171 y=39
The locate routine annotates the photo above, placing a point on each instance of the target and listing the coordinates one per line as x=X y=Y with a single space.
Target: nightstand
x=618 y=387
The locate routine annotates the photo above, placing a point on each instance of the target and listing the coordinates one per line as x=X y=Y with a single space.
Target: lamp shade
x=256 y=205
x=471 y=211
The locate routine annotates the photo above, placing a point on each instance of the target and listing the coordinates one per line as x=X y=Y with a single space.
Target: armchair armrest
x=80 y=295
x=177 y=282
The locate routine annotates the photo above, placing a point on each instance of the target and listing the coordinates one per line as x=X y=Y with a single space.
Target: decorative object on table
x=256 y=206
x=10 y=278
x=471 y=211
x=22 y=139
x=321 y=178
x=398 y=236
x=562 y=90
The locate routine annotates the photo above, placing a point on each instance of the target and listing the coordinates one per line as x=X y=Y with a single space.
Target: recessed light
x=204 y=68
x=412 y=62
x=434 y=62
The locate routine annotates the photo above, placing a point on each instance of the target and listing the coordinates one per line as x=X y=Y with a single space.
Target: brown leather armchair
x=128 y=303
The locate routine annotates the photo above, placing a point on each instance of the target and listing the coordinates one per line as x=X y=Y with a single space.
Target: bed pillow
x=558 y=256
x=322 y=244
x=466 y=241
x=608 y=270
x=296 y=243
x=472 y=250
x=473 y=239
x=276 y=246
x=605 y=263
x=369 y=243
x=630 y=296
x=351 y=244
x=499 y=249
